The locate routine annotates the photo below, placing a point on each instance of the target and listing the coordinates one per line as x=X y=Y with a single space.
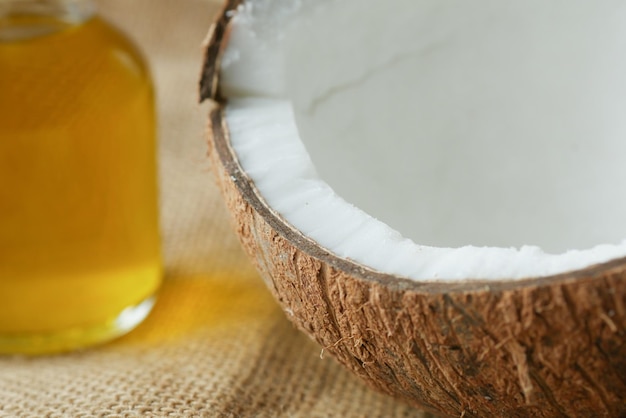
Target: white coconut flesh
x=437 y=139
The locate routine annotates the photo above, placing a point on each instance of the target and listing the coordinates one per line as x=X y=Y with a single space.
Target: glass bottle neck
x=67 y=10
x=23 y=19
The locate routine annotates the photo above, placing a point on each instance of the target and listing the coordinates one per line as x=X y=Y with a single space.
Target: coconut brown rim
x=545 y=347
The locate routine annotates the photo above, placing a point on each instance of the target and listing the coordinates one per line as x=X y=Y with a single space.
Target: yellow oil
x=79 y=242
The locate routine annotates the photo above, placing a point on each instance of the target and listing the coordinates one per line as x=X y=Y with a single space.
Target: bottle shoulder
x=117 y=44
x=78 y=68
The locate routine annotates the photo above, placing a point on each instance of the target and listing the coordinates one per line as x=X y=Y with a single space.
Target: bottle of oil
x=79 y=244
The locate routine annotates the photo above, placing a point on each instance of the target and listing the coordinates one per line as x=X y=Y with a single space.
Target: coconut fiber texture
x=216 y=344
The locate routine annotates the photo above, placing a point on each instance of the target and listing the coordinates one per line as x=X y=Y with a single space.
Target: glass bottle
x=79 y=245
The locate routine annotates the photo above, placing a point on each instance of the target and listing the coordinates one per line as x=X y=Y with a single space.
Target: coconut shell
x=542 y=347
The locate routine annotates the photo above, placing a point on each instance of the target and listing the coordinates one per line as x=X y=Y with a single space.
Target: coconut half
x=432 y=190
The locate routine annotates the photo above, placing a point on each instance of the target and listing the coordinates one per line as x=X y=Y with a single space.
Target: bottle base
x=76 y=338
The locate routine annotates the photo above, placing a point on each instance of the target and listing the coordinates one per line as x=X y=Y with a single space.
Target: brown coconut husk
x=542 y=347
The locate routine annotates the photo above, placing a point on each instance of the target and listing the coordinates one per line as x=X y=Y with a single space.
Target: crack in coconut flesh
x=476 y=147
x=465 y=140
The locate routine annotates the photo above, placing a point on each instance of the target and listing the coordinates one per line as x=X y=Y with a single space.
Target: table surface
x=216 y=344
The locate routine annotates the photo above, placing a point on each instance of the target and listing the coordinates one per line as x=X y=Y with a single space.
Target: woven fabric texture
x=216 y=344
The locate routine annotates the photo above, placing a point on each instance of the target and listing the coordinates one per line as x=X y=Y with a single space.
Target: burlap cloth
x=216 y=344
